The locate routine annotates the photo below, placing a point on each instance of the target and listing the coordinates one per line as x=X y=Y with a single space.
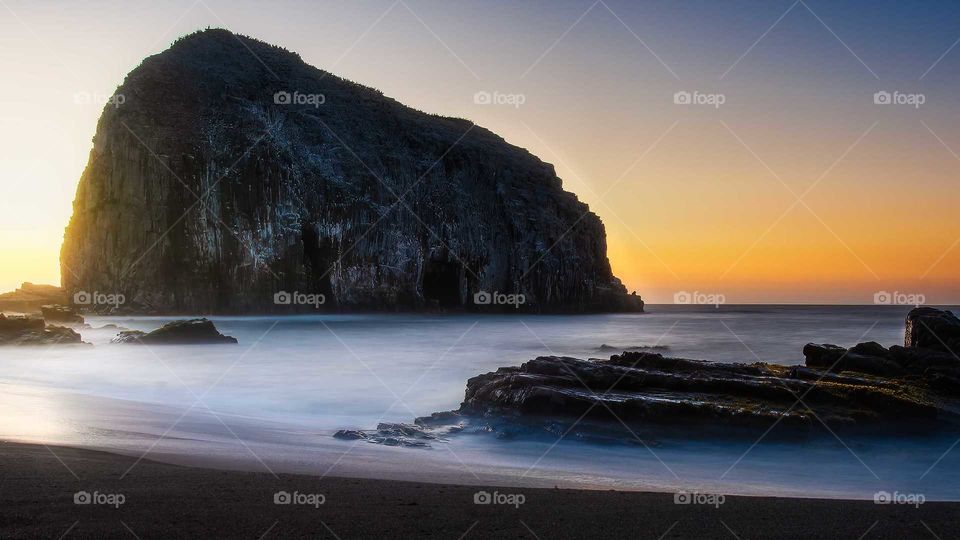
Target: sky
x=787 y=178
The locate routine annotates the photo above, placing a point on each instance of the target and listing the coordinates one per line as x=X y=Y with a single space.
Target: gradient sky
x=797 y=189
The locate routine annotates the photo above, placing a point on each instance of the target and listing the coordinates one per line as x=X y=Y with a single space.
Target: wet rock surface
x=304 y=198
x=392 y=434
x=933 y=329
x=26 y=331
x=61 y=313
x=187 y=332
x=638 y=397
x=29 y=297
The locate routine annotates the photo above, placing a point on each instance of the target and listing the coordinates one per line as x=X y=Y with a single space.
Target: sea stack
x=227 y=176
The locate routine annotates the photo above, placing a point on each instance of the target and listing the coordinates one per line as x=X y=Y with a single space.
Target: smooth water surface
x=272 y=401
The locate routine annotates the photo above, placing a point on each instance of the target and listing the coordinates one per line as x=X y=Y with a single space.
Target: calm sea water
x=271 y=402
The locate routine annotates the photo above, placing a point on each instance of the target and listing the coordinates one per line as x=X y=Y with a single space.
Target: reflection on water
x=291 y=382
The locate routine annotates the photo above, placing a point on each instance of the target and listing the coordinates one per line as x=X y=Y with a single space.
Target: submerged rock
x=392 y=434
x=188 y=332
x=350 y=434
x=25 y=331
x=300 y=173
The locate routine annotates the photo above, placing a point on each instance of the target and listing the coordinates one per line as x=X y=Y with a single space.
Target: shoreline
x=39 y=484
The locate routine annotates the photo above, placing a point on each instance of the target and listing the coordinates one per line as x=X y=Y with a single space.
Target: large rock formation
x=227 y=171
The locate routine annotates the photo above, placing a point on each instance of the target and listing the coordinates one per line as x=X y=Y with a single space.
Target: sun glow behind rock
x=711 y=206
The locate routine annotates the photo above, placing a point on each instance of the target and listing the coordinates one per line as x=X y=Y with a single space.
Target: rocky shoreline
x=639 y=397
x=23 y=330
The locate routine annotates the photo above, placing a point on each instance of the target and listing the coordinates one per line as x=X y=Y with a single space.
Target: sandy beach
x=154 y=500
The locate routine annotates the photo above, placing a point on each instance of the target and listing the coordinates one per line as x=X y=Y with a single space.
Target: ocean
x=272 y=402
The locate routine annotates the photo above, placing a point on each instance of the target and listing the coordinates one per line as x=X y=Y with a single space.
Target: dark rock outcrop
x=932 y=328
x=391 y=434
x=26 y=331
x=188 y=332
x=61 y=313
x=867 y=388
x=30 y=297
x=646 y=388
x=232 y=171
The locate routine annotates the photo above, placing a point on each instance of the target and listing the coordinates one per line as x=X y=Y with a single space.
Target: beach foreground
x=39 y=485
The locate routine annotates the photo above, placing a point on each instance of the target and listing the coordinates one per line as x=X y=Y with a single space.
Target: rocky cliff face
x=230 y=171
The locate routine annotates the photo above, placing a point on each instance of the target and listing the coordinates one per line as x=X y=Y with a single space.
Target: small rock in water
x=391 y=434
x=187 y=332
x=350 y=434
x=60 y=313
x=24 y=331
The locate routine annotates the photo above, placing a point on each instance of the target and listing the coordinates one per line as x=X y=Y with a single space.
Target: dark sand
x=167 y=501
